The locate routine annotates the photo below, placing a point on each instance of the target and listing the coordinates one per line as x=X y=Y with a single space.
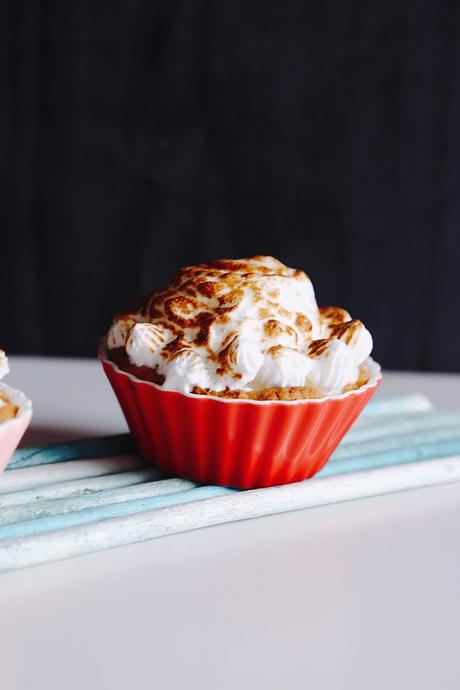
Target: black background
x=138 y=136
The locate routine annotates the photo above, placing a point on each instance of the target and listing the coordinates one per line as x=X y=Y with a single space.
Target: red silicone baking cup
x=238 y=443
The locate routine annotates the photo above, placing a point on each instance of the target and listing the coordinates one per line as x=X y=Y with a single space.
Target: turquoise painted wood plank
x=29 y=477
x=399 y=456
x=239 y=505
x=78 y=487
x=98 y=447
x=398 y=404
x=402 y=425
x=344 y=465
x=397 y=443
x=93 y=515
x=41 y=509
x=53 y=500
x=387 y=444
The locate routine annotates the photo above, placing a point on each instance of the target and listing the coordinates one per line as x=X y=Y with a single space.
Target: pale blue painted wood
x=345 y=465
x=236 y=505
x=398 y=456
x=78 y=487
x=99 y=447
x=42 y=475
x=40 y=509
x=397 y=404
x=402 y=425
x=393 y=432
x=388 y=444
x=93 y=515
x=52 y=501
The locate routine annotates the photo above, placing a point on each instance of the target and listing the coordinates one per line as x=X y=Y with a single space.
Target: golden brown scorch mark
x=332 y=315
x=345 y=331
x=318 y=347
x=303 y=324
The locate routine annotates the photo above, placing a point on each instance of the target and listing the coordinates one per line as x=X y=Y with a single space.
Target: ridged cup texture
x=236 y=443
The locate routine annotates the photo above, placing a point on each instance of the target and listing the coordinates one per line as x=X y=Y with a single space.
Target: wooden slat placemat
x=70 y=499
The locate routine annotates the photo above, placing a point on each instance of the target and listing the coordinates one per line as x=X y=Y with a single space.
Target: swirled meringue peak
x=243 y=325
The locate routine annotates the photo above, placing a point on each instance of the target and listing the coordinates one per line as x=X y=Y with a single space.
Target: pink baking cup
x=13 y=429
x=238 y=443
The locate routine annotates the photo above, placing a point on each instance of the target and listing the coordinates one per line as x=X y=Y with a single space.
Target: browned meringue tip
x=346 y=331
x=318 y=347
x=333 y=315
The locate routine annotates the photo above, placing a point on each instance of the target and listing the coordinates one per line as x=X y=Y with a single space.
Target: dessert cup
x=12 y=430
x=236 y=443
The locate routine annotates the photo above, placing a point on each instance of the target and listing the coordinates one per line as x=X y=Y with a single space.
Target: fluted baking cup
x=239 y=443
x=13 y=429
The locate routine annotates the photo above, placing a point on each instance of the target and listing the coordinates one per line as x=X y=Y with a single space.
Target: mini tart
x=7 y=410
x=15 y=416
x=243 y=443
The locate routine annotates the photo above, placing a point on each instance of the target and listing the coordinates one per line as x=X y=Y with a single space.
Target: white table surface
x=357 y=595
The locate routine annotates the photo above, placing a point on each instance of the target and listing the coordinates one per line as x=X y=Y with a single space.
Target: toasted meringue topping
x=329 y=317
x=145 y=342
x=280 y=333
x=356 y=336
x=185 y=371
x=120 y=328
x=242 y=324
x=239 y=362
x=283 y=367
x=333 y=365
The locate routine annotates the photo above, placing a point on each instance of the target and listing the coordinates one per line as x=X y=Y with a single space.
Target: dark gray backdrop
x=138 y=136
